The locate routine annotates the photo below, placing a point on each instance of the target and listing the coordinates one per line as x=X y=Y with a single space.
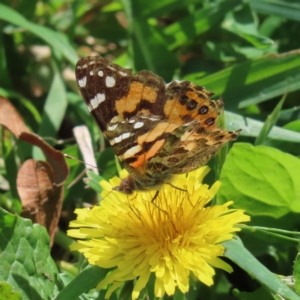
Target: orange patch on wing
x=157 y=131
x=149 y=94
x=130 y=102
x=174 y=110
x=142 y=159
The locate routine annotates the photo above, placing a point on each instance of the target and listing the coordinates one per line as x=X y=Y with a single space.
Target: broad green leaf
x=252 y=128
x=25 y=261
x=284 y=9
x=262 y=180
x=254 y=81
x=185 y=30
x=270 y=122
x=237 y=253
x=54 y=108
x=270 y=25
x=55 y=39
x=290 y=114
x=229 y=52
x=85 y=281
x=241 y=22
x=150 y=50
x=294 y=126
x=6 y=292
x=54 y=111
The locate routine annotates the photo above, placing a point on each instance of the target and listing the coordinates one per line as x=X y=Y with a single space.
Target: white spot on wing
x=112 y=127
x=149 y=118
x=100 y=73
x=138 y=125
x=91 y=62
x=82 y=82
x=131 y=121
x=91 y=73
x=110 y=81
x=99 y=98
x=120 y=138
x=84 y=66
x=122 y=73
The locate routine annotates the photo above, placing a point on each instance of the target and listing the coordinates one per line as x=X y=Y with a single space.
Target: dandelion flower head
x=172 y=237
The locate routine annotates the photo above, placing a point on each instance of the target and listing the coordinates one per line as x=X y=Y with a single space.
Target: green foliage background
x=247 y=52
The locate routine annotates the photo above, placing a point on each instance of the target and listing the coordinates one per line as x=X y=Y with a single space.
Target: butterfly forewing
x=99 y=83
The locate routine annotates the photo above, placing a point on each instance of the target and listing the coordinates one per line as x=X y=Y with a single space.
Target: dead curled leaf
x=39 y=183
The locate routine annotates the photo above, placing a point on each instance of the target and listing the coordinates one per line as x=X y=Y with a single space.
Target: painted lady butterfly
x=156 y=129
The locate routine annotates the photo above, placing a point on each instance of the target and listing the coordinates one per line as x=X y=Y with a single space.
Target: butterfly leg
x=176 y=187
x=155 y=196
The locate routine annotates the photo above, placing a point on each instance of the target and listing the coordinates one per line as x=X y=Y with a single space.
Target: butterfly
x=156 y=129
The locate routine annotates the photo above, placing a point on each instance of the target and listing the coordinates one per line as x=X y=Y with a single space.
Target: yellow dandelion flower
x=171 y=238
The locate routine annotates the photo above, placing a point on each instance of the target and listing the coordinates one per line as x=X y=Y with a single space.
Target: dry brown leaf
x=41 y=197
x=39 y=184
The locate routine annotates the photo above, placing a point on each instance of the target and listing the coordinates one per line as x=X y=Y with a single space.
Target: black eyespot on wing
x=203 y=110
x=210 y=121
x=183 y=100
x=192 y=104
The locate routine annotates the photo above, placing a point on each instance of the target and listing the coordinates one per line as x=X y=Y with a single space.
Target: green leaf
x=200 y=21
x=55 y=39
x=93 y=181
x=85 y=281
x=10 y=158
x=156 y=8
x=296 y=272
x=264 y=181
x=6 y=292
x=241 y=22
x=237 y=253
x=55 y=107
x=270 y=122
x=150 y=50
x=294 y=126
x=254 y=81
x=284 y=9
x=25 y=261
x=252 y=128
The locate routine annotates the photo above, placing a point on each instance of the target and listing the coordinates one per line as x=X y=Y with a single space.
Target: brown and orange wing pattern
x=155 y=129
x=112 y=93
x=186 y=103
